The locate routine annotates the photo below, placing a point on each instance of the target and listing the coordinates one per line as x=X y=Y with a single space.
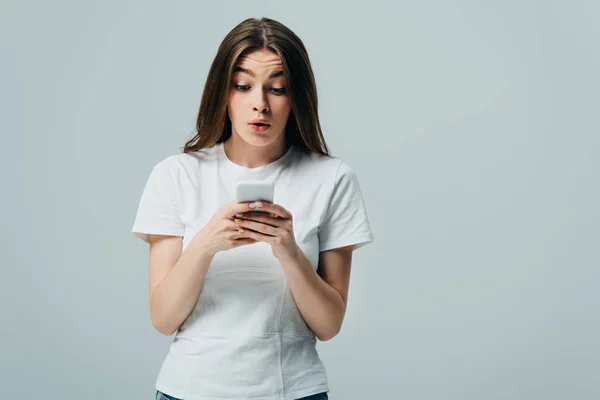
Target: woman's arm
x=176 y=278
x=175 y=281
x=321 y=296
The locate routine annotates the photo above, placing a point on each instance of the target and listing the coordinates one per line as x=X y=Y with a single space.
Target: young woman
x=248 y=293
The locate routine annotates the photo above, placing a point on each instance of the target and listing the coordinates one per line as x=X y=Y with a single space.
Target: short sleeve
x=158 y=209
x=346 y=221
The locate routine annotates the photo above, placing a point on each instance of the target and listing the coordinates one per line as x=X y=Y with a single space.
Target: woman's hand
x=273 y=227
x=222 y=232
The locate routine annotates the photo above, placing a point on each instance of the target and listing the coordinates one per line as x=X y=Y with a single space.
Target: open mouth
x=259 y=127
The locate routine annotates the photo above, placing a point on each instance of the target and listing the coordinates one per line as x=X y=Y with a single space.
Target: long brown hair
x=302 y=128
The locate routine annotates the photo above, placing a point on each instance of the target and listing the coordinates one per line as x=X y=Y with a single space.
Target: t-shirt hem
x=357 y=241
x=288 y=396
x=304 y=393
x=145 y=232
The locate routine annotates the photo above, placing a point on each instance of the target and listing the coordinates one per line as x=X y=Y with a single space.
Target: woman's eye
x=244 y=88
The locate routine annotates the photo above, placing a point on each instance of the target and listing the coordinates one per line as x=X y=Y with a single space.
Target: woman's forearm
x=321 y=306
x=175 y=297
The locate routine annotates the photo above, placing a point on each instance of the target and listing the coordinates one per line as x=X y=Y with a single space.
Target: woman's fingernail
x=238 y=215
x=256 y=204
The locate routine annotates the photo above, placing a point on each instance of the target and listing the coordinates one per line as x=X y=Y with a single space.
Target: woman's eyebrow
x=249 y=72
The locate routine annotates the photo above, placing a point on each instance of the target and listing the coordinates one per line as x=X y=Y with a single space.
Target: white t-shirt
x=245 y=338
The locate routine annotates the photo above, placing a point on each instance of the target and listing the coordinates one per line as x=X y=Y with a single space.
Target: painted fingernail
x=238 y=215
x=256 y=204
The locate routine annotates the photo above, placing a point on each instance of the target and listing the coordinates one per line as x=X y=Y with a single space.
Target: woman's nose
x=260 y=104
x=261 y=109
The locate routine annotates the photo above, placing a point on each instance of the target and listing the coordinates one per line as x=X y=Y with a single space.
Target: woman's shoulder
x=187 y=161
x=324 y=164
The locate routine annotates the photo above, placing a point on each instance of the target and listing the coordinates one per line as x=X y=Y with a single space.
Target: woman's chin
x=258 y=139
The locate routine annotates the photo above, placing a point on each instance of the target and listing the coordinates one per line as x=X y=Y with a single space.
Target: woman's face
x=258 y=92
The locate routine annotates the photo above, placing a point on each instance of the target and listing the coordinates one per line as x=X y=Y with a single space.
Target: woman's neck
x=249 y=156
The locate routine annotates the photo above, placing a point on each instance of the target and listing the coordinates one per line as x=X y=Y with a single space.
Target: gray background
x=470 y=125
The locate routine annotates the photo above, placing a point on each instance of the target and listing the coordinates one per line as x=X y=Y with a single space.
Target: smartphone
x=251 y=190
